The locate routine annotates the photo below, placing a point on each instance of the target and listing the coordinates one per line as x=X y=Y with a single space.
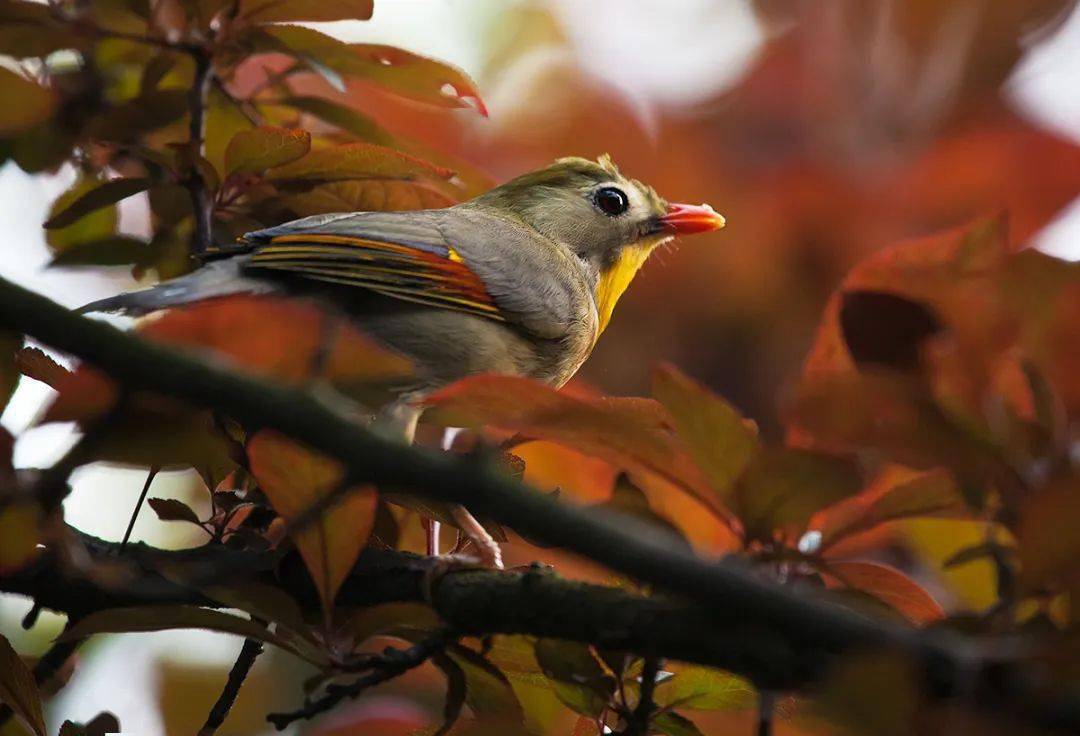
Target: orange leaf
x=629 y=433
x=888 y=585
x=294 y=478
x=278 y=337
x=266 y=147
x=896 y=494
x=716 y=435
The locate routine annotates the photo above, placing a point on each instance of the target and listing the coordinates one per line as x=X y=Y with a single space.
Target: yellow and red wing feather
x=401 y=271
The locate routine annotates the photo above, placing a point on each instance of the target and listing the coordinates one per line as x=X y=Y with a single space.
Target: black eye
x=611 y=201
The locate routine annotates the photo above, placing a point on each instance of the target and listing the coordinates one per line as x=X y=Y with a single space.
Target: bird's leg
x=431 y=526
x=473 y=529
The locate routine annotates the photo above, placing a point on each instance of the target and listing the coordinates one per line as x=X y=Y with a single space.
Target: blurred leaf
x=783 y=487
x=1047 y=540
x=116 y=250
x=99 y=725
x=164 y=618
x=456 y=690
x=35 y=363
x=20 y=527
x=28 y=29
x=347 y=118
x=277 y=11
x=224 y=119
x=280 y=338
x=875 y=694
x=10 y=345
x=721 y=442
x=580 y=681
x=391 y=619
x=932 y=493
x=171 y=509
x=93 y=199
x=254 y=151
x=885 y=329
x=673 y=724
x=130 y=120
x=18 y=689
x=703 y=688
x=35 y=103
x=358 y=161
x=94 y=226
x=629 y=433
x=265 y=602
x=294 y=479
x=368 y=195
x=888 y=585
x=399 y=72
x=417 y=77
x=487 y=691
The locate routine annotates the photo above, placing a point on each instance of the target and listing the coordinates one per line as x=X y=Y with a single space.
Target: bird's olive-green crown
x=561 y=202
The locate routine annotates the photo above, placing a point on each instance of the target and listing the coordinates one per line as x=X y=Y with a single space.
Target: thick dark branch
x=239 y=672
x=732 y=600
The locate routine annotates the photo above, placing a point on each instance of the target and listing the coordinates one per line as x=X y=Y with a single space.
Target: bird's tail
x=217 y=278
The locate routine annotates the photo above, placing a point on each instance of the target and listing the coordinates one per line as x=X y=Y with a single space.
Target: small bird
x=521 y=280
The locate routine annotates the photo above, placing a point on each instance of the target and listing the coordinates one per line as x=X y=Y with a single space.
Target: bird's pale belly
x=446 y=346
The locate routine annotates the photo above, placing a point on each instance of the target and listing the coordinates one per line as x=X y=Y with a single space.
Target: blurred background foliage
x=824 y=132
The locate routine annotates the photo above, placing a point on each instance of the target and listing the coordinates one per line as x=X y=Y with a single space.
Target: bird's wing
x=400 y=255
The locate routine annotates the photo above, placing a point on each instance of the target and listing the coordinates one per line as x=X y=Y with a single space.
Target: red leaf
x=629 y=433
x=294 y=478
x=888 y=585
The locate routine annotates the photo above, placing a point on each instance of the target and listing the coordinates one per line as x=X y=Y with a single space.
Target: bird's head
x=611 y=223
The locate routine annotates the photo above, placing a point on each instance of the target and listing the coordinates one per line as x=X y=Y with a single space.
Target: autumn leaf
x=35 y=103
x=717 y=437
x=165 y=618
x=358 y=161
x=417 y=77
x=888 y=585
x=18 y=689
x=631 y=434
x=266 y=147
x=784 y=487
x=294 y=478
x=897 y=495
x=20 y=530
x=280 y=338
x=92 y=199
x=278 y=11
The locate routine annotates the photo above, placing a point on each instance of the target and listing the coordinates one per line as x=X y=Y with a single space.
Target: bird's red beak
x=684 y=219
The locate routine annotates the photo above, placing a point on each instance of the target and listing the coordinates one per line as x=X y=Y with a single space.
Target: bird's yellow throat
x=614 y=280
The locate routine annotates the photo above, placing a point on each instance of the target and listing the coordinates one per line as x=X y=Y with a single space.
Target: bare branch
x=239 y=672
x=392 y=663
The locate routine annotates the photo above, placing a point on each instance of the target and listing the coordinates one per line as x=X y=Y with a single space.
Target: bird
x=521 y=280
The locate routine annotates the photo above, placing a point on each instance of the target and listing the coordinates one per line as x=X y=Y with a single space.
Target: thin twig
x=138 y=505
x=639 y=721
x=202 y=202
x=239 y=672
x=393 y=663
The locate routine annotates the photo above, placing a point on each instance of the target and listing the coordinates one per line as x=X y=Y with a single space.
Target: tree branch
x=738 y=616
x=239 y=672
x=392 y=663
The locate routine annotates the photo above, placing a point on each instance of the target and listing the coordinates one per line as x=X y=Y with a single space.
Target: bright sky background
x=695 y=48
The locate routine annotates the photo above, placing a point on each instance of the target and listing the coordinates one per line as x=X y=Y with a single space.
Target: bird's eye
x=611 y=201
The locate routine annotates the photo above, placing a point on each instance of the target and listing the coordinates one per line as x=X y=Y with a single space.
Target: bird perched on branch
x=521 y=280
